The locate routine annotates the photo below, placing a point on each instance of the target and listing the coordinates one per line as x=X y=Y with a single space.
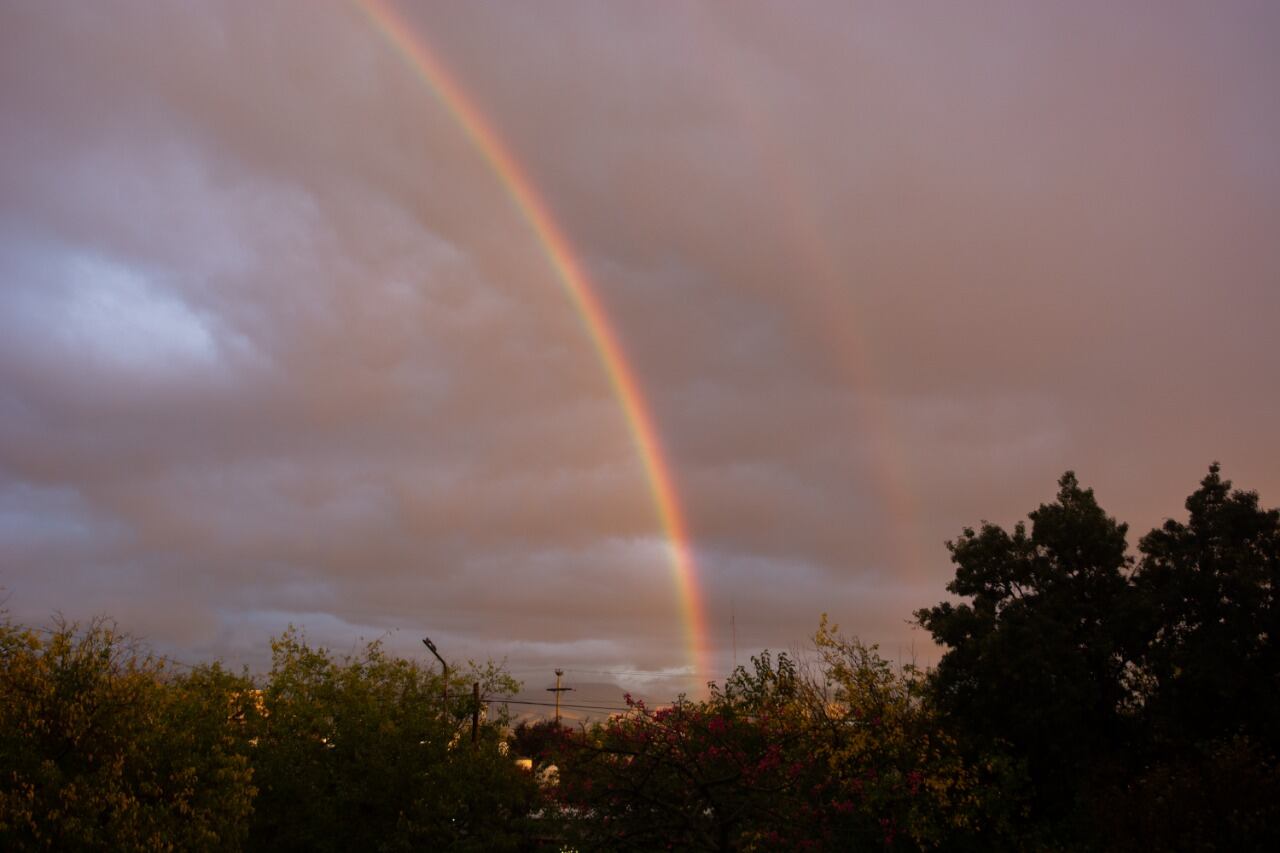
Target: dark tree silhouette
x=1036 y=662
x=1209 y=596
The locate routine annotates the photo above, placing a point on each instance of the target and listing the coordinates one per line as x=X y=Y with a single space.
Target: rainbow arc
x=582 y=296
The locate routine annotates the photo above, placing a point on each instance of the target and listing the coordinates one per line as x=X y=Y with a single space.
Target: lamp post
x=426 y=641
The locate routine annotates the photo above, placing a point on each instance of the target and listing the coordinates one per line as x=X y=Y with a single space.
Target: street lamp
x=426 y=641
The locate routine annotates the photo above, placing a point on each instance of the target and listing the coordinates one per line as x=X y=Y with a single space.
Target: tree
x=712 y=775
x=359 y=753
x=1210 y=590
x=1208 y=694
x=844 y=756
x=1036 y=661
x=897 y=773
x=102 y=747
x=538 y=741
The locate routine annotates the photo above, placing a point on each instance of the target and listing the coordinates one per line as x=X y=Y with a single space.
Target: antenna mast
x=733 y=629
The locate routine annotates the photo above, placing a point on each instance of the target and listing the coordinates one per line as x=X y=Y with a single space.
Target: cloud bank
x=275 y=345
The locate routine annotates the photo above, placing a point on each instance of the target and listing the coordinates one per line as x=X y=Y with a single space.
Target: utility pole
x=475 y=711
x=558 y=690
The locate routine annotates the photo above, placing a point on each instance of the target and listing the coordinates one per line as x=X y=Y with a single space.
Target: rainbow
x=586 y=303
x=832 y=308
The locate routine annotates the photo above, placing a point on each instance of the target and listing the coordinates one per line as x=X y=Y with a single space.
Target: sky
x=278 y=345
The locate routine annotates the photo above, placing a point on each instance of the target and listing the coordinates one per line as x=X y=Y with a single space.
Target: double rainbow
x=586 y=303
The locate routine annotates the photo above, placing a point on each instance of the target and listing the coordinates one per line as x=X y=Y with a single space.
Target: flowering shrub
x=842 y=758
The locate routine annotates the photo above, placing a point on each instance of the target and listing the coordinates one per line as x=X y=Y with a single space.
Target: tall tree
x=1035 y=664
x=1206 y=776
x=1209 y=593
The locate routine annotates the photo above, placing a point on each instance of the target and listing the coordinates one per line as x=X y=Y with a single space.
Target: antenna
x=733 y=629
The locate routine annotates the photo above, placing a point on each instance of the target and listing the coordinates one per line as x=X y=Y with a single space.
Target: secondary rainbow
x=585 y=302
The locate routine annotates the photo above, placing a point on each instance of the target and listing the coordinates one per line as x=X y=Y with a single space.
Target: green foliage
x=887 y=749
x=104 y=746
x=359 y=753
x=849 y=758
x=101 y=747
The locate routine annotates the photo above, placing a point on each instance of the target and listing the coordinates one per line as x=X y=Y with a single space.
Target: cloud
x=276 y=345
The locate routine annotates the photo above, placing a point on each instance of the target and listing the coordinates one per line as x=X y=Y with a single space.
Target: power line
x=641 y=673
x=647 y=673
x=500 y=701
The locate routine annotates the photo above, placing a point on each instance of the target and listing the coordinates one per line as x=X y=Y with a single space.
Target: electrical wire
x=501 y=701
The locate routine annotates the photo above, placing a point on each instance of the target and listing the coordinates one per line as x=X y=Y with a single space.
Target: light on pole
x=426 y=641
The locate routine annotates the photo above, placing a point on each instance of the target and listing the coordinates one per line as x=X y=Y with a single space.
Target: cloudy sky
x=277 y=346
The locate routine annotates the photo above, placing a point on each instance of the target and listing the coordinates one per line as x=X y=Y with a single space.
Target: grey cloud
x=275 y=344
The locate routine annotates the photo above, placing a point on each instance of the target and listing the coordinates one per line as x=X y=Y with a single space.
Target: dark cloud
x=275 y=345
